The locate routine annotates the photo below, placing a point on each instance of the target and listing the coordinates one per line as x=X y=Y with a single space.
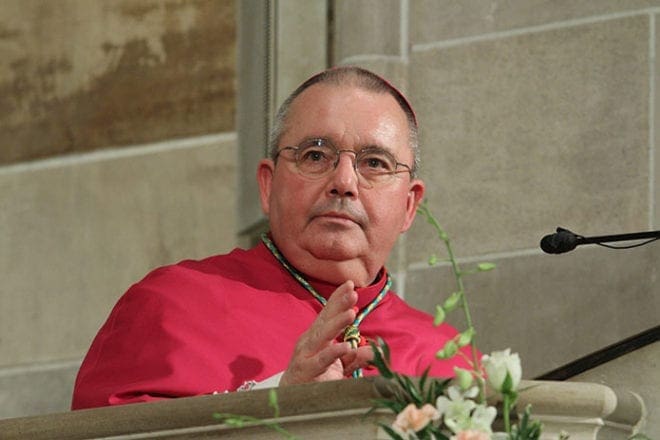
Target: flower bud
x=463 y=377
x=503 y=370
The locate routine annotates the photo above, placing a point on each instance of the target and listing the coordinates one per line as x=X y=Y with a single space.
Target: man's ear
x=415 y=197
x=265 y=171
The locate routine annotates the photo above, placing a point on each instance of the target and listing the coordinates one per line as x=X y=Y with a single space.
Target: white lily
x=460 y=413
x=500 y=365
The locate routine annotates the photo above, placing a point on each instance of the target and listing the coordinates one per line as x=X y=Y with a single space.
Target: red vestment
x=197 y=327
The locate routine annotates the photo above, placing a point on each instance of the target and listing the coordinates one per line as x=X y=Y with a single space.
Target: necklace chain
x=352 y=332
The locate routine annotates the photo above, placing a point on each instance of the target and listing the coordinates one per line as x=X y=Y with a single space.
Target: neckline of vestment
x=366 y=294
x=351 y=332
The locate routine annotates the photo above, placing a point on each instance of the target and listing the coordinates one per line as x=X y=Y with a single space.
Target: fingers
x=333 y=319
x=324 y=365
x=344 y=298
x=359 y=358
x=316 y=355
x=327 y=357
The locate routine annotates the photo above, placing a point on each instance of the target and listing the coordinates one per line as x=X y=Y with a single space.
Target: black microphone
x=564 y=240
x=558 y=243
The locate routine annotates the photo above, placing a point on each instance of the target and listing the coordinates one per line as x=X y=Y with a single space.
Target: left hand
x=317 y=355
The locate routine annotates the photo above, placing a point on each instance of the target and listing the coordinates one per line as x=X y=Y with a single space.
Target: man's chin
x=334 y=254
x=333 y=248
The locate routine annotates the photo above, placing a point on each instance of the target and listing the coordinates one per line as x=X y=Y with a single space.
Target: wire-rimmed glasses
x=316 y=158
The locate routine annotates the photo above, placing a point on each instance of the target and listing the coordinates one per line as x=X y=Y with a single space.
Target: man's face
x=334 y=228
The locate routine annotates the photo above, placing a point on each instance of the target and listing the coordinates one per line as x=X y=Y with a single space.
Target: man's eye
x=313 y=155
x=375 y=162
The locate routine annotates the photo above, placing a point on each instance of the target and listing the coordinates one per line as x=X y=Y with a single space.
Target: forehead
x=347 y=114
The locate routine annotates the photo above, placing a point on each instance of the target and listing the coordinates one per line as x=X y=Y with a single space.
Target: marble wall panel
x=655 y=180
x=525 y=133
x=302 y=35
x=366 y=27
x=78 y=75
x=76 y=234
x=552 y=309
x=32 y=390
x=432 y=20
x=253 y=107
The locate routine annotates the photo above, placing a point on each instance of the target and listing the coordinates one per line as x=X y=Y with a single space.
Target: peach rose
x=415 y=419
x=471 y=434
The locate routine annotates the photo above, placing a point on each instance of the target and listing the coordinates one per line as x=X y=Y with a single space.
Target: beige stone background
x=117 y=155
x=119 y=125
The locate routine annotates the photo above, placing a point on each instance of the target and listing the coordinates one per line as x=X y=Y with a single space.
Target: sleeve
x=152 y=346
x=270 y=382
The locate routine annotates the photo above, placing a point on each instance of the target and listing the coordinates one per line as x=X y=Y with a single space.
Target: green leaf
x=391 y=432
x=528 y=429
x=403 y=385
x=422 y=380
x=381 y=356
x=485 y=267
x=386 y=350
x=507 y=385
x=236 y=422
x=438 y=389
x=464 y=378
x=395 y=407
x=439 y=316
x=437 y=432
x=466 y=337
x=433 y=260
x=452 y=302
x=272 y=402
x=412 y=390
x=448 y=351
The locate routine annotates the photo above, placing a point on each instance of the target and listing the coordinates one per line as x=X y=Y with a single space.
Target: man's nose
x=352 y=157
x=344 y=179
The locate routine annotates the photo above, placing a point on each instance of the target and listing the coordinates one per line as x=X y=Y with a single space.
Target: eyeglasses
x=316 y=158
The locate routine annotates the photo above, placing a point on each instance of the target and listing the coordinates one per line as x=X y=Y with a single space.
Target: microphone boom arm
x=619 y=237
x=564 y=240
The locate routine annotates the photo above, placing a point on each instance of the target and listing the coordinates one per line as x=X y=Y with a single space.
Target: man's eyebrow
x=316 y=138
x=375 y=147
x=360 y=147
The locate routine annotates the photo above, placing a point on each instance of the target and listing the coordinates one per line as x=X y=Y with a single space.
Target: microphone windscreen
x=558 y=243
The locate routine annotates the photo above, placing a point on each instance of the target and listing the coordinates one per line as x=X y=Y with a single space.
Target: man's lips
x=339 y=211
x=337 y=216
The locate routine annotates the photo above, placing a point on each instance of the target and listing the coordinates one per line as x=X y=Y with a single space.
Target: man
x=338 y=189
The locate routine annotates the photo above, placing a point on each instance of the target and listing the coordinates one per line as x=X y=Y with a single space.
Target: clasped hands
x=317 y=355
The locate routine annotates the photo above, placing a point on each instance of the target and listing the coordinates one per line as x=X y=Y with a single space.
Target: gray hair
x=347 y=76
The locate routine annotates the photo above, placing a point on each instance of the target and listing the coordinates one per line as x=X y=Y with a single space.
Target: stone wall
x=533 y=115
x=117 y=155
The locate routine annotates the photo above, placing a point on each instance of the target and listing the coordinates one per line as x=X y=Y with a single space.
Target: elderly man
x=338 y=189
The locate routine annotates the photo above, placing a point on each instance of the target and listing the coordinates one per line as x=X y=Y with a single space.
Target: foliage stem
x=464 y=303
x=507 y=411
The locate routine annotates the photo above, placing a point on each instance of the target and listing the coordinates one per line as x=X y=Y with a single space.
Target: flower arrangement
x=456 y=409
